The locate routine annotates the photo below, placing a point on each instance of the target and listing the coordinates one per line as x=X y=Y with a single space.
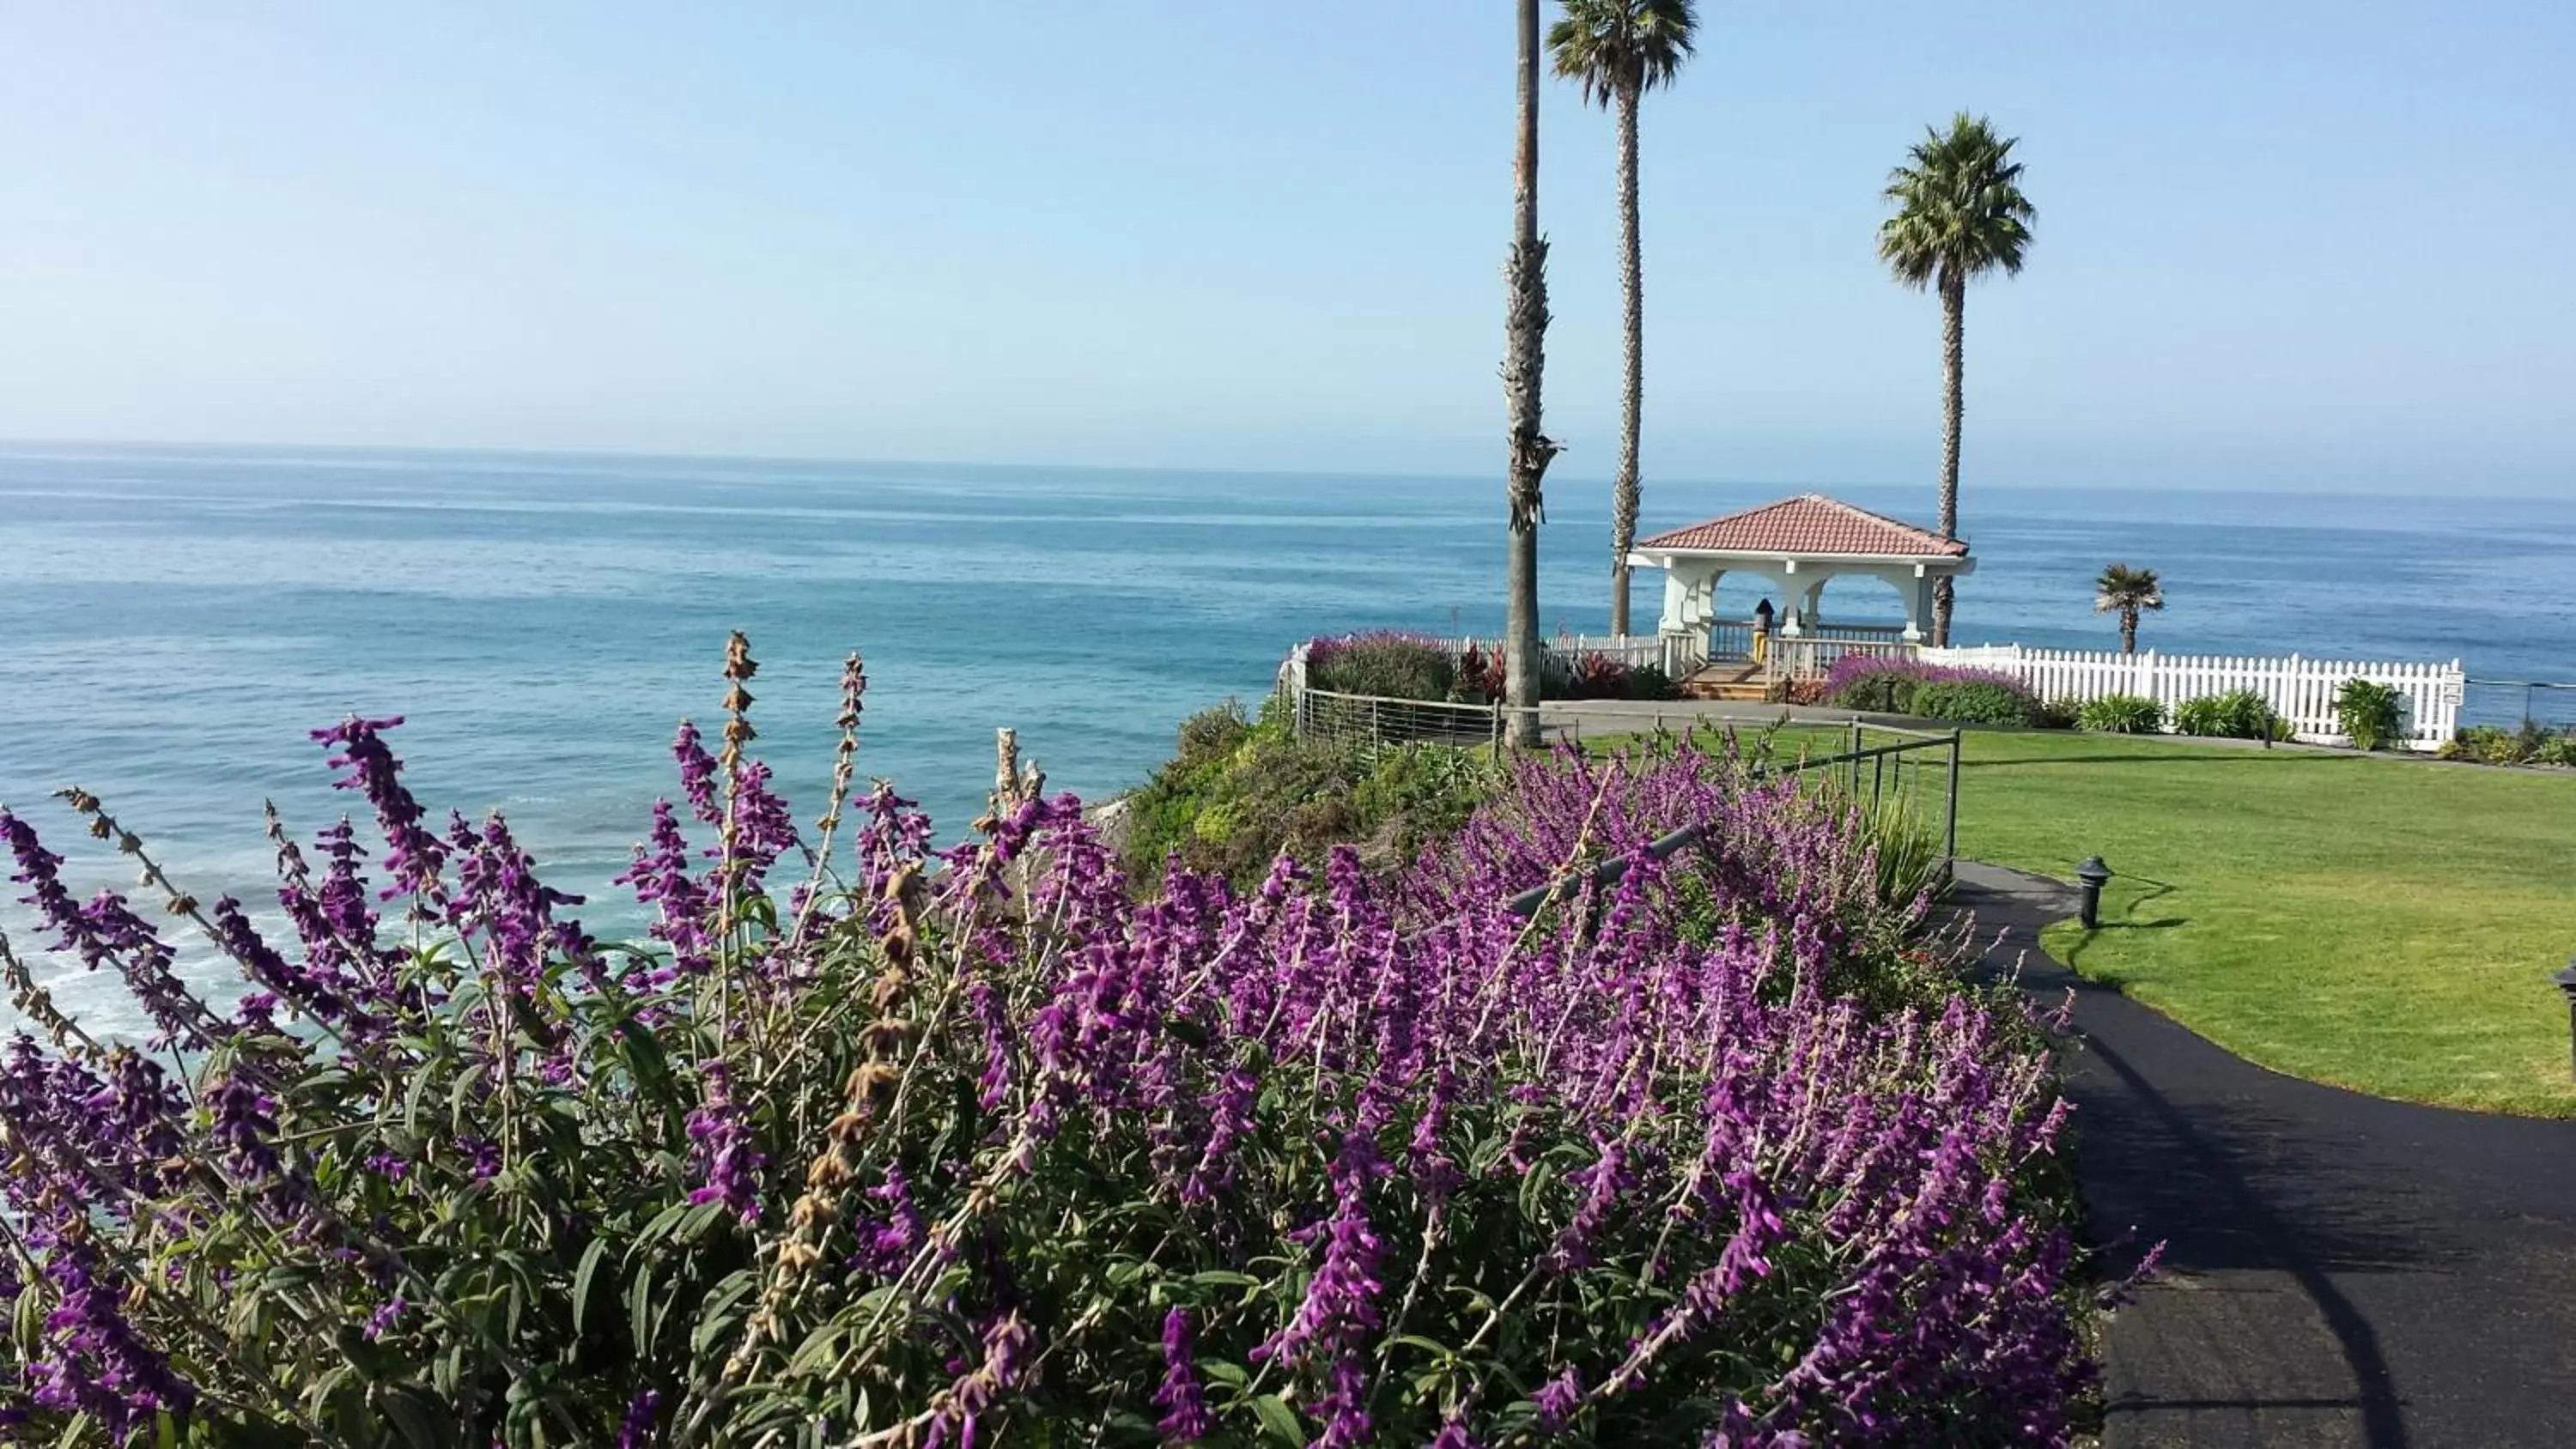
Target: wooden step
x=1732 y=681
x=1745 y=693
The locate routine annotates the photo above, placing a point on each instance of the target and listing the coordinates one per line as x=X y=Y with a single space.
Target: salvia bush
x=935 y=1144
x=1889 y=685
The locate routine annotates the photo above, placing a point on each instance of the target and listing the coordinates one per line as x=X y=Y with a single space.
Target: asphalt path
x=2338 y=1269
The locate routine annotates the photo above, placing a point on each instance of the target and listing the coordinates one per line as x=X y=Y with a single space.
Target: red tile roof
x=1810 y=523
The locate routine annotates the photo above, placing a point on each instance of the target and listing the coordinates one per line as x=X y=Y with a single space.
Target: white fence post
x=2299 y=689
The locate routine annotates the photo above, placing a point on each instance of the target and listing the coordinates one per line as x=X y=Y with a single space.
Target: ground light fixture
x=2093 y=875
x=2565 y=976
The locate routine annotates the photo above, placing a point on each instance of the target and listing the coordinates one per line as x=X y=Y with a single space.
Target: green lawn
x=2383 y=924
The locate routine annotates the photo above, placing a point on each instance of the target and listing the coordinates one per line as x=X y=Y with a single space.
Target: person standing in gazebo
x=1762 y=631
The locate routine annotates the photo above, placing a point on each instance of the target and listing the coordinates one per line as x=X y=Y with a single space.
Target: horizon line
x=8 y=445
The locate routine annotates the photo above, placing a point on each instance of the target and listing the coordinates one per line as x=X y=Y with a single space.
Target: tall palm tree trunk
x=1623 y=494
x=1524 y=340
x=2129 y=629
x=1954 y=307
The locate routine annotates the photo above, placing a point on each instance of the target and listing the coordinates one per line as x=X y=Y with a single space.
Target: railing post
x=1950 y=827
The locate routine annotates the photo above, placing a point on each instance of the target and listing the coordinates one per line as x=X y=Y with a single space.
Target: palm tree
x=1959 y=215
x=1617 y=50
x=2127 y=590
x=1524 y=358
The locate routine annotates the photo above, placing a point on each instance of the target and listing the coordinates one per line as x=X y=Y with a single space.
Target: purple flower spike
x=697 y=774
x=728 y=1162
x=1182 y=1398
x=413 y=855
x=637 y=1430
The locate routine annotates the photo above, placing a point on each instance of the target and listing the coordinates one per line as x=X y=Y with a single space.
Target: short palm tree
x=2129 y=591
x=1617 y=50
x=1959 y=215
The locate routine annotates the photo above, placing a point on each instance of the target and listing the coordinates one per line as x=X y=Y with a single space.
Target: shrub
x=2059 y=714
x=1879 y=691
x=1480 y=677
x=1392 y=666
x=1851 y=668
x=1212 y=733
x=1905 y=851
x=1880 y=684
x=1221 y=1167
x=1231 y=812
x=2122 y=714
x=1976 y=701
x=1649 y=681
x=2238 y=714
x=1597 y=676
x=2494 y=745
x=2370 y=715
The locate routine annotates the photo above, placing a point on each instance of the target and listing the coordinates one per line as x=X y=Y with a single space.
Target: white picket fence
x=2301 y=690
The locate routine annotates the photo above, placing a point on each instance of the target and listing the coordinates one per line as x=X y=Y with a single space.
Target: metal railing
x=2540 y=704
x=1919 y=762
x=1367 y=719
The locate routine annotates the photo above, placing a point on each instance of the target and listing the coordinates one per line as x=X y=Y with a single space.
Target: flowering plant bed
x=937 y=1144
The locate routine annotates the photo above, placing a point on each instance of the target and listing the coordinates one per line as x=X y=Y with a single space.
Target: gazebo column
x=1801 y=589
x=1677 y=591
x=1917 y=591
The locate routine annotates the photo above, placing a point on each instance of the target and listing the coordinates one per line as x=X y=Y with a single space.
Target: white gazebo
x=1798 y=545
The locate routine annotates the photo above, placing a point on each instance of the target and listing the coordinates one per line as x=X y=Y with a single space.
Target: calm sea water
x=172 y=622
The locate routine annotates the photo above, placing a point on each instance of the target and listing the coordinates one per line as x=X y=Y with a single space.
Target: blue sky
x=2288 y=244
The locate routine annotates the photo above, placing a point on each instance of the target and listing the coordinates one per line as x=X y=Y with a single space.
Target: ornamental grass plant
x=875 y=1143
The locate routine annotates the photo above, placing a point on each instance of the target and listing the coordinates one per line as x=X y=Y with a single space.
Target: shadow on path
x=2338 y=1269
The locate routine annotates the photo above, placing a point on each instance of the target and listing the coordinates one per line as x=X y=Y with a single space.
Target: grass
x=2381 y=924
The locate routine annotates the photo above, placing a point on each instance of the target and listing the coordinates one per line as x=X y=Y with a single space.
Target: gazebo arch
x=1799 y=544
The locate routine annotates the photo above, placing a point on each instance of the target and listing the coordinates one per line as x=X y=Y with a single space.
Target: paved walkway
x=2340 y=1270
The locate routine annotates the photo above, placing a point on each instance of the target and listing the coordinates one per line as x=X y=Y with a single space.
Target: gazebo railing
x=1733 y=638
x=1807 y=656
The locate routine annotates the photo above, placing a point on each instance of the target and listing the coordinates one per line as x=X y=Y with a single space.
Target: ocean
x=173 y=621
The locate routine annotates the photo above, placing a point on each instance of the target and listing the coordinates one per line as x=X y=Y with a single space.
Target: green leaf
x=582 y=1279
x=418 y=1418
x=1278 y=1420
x=662 y=1225
x=819 y=1349
x=700 y=1220
x=1534 y=1188
x=639 y=1310
x=1415 y=1340
x=644 y=1058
